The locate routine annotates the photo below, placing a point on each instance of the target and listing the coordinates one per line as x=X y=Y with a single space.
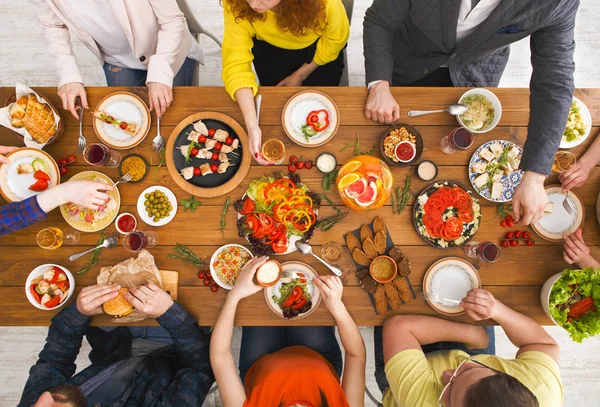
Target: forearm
x=428 y=330
x=591 y=158
x=220 y=343
x=350 y=336
x=19 y=215
x=245 y=99
x=305 y=70
x=520 y=329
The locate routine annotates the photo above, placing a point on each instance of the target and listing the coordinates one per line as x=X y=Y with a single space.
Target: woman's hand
x=244 y=285
x=149 y=300
x=575 y=177
x=69 y=92
x=88 y=194
x=160 y=97
x=90 y=299
x=5 y=150
x=480 y=304
x=331 y=288
x=294 y=79
x=577 y=252
x=255 y=136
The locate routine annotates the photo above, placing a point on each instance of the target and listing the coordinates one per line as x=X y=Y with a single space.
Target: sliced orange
x=348 y=180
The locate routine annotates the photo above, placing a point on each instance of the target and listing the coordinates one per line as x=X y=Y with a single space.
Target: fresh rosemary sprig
x=330 y=221
x=225 y=208
x=403 y=196
x=94 y=258
x=183 y=253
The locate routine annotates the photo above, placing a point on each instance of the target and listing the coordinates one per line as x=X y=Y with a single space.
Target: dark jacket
x=175 y=375
x=404 y=40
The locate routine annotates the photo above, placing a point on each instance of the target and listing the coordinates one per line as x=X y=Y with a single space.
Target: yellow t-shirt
x=237 y=42
x=416 y=379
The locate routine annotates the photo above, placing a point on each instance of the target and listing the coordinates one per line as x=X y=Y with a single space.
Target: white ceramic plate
x=294 y=266
x=450 y=278
x=129 y=108
x=297 y=109
x=15 y=187
x=495 y=104
x=587 y=119
x=552 y=226
x=214 y=257
x=142 y=209
x=38 y=271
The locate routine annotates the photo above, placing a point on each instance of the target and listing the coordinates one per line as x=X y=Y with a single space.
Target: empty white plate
x=552 y=226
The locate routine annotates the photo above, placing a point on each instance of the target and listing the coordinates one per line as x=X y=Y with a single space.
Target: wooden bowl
x=272 y=283
x=418 y=145
x=12 y=98
x=390 y=260
x=121 y=173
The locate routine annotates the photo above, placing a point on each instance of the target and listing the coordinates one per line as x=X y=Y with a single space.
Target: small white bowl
x=213 y=272
x=117 y=223
x=545 y=295
x=495 y=103
x=38 y=271
x=414 y=150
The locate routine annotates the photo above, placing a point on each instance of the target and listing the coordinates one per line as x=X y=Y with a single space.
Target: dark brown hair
x=296 y=16
x=69 y=394
x=499 y=390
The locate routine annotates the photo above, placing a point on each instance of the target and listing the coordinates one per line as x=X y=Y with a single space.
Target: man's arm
x=19 y=215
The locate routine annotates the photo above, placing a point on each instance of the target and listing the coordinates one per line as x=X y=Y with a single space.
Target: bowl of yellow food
x=484 y=110
x=135 y=165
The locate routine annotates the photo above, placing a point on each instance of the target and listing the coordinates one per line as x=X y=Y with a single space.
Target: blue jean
x=260 y=340
x=149 y=333
x=380 y=378
x=118 y=76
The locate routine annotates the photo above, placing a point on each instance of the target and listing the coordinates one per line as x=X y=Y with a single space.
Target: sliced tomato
x=279 y=231
x=294 y=296
x=249 y=207
x=281 y=245
x=34 y=293
x=39 y=174
x=252 y=223
x=463 y=200
x=267 y=224
x=432 y=217
x=452 y=229
x=89 y=217
x=466 y=217
x=435 y=230
x=39 y=186
x=435 y=204
x=299 y=303
x=53 y=302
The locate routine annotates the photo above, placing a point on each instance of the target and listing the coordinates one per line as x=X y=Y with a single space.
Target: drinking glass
x=459 y=139
x=274 y=150
x=338 y=256
x=98 y=154
x=49 y=238
x=137 y=241
x=563 y=161
x=488 y=252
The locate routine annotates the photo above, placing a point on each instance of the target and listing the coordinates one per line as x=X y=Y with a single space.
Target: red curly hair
x=296 y=16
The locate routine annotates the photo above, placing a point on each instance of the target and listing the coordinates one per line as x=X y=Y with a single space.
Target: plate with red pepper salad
x=310 y=118
x=275 y=212
x=294 y=296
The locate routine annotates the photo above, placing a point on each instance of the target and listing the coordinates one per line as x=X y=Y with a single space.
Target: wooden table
x=516 y=279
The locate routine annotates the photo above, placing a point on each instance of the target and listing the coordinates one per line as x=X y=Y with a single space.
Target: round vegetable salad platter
x=295 y=296
x=446 y=215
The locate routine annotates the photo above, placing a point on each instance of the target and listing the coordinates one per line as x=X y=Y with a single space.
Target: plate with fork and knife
x=563 y=216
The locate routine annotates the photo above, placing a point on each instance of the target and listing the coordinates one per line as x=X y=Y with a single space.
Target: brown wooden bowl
x=272 y=283
x=387 y=280
x=418 y=145
x=12 y=98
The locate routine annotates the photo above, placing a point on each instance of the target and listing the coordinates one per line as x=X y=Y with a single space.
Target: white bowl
x=212 y=260
x=117 y=223
x=414 y=151
x=495 y=103
x=38 y=271
x=545 y=295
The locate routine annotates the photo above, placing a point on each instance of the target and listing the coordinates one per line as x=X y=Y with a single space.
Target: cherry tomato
x=300 y=165
x=218 y=146
x=510 y=235
x=206 y=282
x=526 y=235
x=194 y=151
x=505 y=243
x=510 y=223
x=197 y=172
x=71 y=159
x=214 y=288
x=211 y=132
x=229 y=141
x=63 y=170
x=530 y=242
x=503 y=223
x=291 y=168
x=293 y=159
x=508 y=217
x=202 y=139
x=62 y=163
x=518 y=234
x=514 y=243
x=215 y=157
x=123 y=126
x=308 y=165
x=201 y=275
x=214 y=167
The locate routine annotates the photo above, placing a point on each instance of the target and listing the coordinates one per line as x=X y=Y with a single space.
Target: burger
x=118 y=306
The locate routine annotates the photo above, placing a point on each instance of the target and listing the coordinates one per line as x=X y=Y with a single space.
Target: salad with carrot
x=294 y=298
x=274 y=209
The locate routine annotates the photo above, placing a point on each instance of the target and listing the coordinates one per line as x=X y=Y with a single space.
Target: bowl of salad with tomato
x=275 y=212
x=294 y=295
x=49 y=286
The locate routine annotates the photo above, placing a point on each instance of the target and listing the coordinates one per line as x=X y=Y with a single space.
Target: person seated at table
x=576 y=176
x=577 y=252
x=420 y=371
x=289 y=365
x=138 y=42
x=290 y=42
x=168 y=366
x=467 y=43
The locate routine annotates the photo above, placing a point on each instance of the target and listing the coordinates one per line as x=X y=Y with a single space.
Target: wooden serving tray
x=170 y=281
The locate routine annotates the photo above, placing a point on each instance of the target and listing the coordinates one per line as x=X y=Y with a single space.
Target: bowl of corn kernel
x=395 y=135
x=135 y=165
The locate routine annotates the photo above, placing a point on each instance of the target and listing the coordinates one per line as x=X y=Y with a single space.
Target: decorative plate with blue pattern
x=509 y=182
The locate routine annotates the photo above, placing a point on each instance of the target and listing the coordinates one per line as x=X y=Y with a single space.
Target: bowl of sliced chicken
x=49 y=286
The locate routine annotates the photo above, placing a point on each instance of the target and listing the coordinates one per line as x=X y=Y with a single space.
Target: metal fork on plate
x=125 y=178
x=434 y=297
x=82 y=142
x=567 y=205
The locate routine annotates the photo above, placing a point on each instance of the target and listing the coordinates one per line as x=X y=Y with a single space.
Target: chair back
x=349 y=5
x=193 y=24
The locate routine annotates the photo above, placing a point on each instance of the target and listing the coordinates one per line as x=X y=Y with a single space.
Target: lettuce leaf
x=253 y=187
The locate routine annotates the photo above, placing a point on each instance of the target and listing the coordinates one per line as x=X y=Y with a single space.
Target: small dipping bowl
x=325 y=156
x=393 y=269
x=270 y=263
x=405 y=144
x=125 y=215
x=425 y=168
x=121 y=172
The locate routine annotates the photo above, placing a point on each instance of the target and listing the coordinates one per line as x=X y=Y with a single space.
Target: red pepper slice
x=52 y=302
x=300 y=303
x=293 y=297
x=37 y=297
x=581 y=307
x=322 y=121
x=57 y=273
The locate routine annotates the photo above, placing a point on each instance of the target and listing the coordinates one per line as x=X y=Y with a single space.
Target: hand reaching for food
x=576 y=176
x=480 y=304
x=90 y=299
x=160 y=97
x=577 y=252
x=331 y=288
x=149 y=300
x=68 y=94
x=244 y=285
x=5 y=150
x=530 y=199
x=88 y=194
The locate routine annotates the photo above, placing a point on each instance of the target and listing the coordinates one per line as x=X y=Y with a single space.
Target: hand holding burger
x=149 y=300
x=91 y=299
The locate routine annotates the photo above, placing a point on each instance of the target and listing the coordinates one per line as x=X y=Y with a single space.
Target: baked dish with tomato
x=447 y=215
x=275 y=212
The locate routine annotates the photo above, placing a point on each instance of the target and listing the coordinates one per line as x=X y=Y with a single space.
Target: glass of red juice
x=138 y=241
x=458 y=139
x=488 y=252
x=99 y=155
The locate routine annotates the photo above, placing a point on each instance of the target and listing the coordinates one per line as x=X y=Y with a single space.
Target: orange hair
x=296 y=16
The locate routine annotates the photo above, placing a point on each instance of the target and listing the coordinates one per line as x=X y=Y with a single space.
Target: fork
x=82 y=142
x=567 y=205
x=434 y=297
x=125 y=178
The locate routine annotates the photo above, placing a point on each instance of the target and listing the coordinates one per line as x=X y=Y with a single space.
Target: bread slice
x=360 y=257
x=369 y=248
x=403 y=288
x=379 y=225
x=380 y=242
x=352 y=242
x=392 y=295
x=365 y=233
x=381 y=303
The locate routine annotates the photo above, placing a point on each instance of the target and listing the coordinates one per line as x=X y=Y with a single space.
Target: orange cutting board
x=170 y=281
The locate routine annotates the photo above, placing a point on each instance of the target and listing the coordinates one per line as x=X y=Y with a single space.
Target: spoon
x=109 y=242
x=455 y=110
x=305 y=248
x=158 y=142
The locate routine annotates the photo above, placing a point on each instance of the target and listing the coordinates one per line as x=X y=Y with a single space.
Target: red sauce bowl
x=125 y=223
x=405 y=151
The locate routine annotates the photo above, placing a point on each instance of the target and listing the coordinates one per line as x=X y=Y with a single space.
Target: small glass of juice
x=274 y=150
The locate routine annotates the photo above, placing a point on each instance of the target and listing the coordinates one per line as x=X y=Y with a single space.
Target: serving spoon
x=455 y=110
x=305 y=248
x=109 y=242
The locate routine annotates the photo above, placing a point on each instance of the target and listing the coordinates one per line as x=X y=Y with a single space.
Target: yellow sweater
x=237 y=43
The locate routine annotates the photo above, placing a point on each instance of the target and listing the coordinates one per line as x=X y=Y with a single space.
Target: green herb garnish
x=401 y=196
x=329 y=179
x=181 y=252
x=95 y=257
x=190 y=204
x=502 y=211
x=327 y=223
x=225 y=208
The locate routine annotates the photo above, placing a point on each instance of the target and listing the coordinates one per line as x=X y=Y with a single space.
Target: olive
x=147 y=195
x=146 y=203
x=156 y=219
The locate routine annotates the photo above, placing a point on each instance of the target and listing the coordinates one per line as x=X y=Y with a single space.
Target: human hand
x=480 y=304
x=381 y=105
x=88 y=194
x=244 y=285
x=255 y=136
x=577 y=252
x=69 y=92
x=576 y=176
x=149 y=300
x=294 y=79
x=90 y=299
x=530 y=199
x=160 y=97
x=5 y=150
x=331 y=288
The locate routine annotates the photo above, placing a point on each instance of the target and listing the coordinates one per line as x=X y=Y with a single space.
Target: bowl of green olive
x=157 y=206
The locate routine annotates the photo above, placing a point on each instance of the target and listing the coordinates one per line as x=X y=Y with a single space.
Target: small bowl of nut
x=396 y=135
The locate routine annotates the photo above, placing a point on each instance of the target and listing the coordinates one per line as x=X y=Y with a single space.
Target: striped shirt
x=18 y=215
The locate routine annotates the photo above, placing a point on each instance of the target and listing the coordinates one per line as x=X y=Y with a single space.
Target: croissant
x=37 y=118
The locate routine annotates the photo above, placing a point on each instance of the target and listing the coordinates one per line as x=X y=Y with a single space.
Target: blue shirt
x=18 y=215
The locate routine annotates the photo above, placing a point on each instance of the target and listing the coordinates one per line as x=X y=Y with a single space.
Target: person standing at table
x=467 y=43
x=127 y=369
x=289 y=365
x=290 y=42
x=138 y=42
x=421 y=371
